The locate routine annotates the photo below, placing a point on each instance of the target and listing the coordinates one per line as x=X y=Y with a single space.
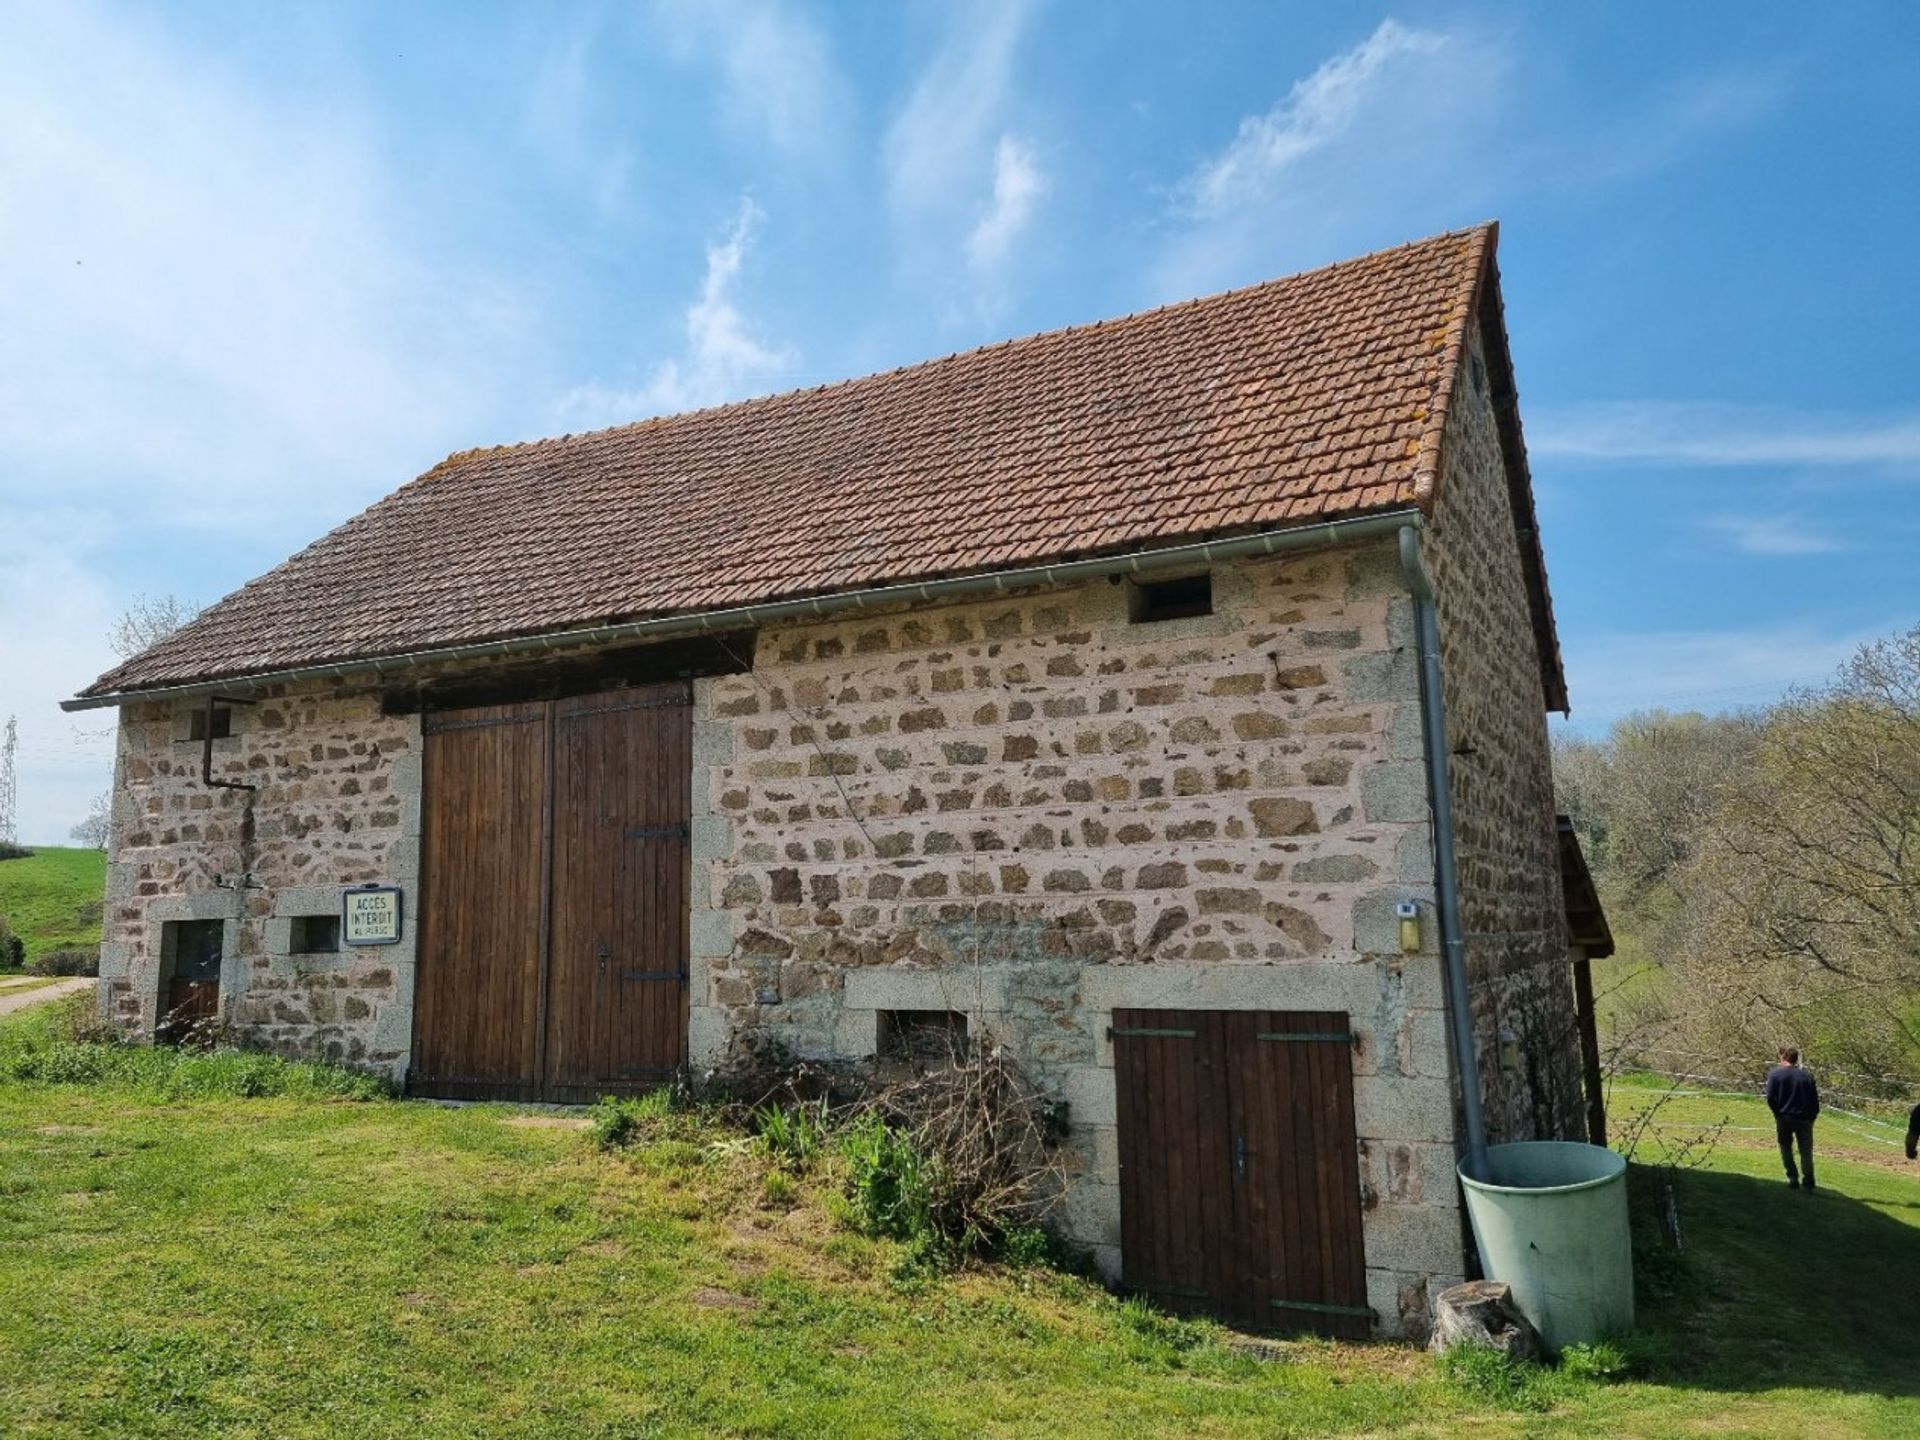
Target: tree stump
x=1482 y=1312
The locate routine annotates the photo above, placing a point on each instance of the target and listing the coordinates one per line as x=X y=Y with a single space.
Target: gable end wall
x=1512 y=908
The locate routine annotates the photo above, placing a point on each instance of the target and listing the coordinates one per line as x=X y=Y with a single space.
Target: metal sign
x=370 y=915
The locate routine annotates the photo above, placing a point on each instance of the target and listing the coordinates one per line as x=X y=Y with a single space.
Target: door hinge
x=1115 y=1032
x=657 y=832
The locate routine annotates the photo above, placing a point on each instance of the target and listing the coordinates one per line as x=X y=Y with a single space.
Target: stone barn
x=1162 y=700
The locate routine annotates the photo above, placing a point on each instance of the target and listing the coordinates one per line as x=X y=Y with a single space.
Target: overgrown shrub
x=13 y=950
x=889 y=1181
x=66 y=962
x=792 y=1135
x=983 y=1145
x=621 y=1120
x=64 y=1044
x=11 y=851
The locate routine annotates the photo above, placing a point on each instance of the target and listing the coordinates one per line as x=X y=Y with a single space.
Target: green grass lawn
x=52 y=898
x=326 y=1266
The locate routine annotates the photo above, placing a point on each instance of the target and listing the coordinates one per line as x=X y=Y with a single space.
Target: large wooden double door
x=1239 y=1166
x=555 y=876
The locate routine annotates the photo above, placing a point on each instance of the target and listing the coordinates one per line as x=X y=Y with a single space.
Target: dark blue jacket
x=1791 y=1093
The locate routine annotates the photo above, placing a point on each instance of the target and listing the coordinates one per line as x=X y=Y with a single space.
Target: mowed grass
x=52 y=898
x=318 y=1266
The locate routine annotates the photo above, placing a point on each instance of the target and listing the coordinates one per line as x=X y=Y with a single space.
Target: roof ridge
x=1479 y=231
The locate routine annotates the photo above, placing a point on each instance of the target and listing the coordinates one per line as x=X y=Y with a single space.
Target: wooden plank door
x=617 y=1010
x=1239 y=1166
x=478 y=989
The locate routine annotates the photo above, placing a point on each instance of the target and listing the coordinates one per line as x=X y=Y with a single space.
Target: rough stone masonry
x=1031 y=811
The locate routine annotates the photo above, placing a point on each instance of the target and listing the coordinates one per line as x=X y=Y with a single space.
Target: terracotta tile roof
x=1295 y=401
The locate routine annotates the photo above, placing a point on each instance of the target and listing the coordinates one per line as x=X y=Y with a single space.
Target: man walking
x=1795 y=1102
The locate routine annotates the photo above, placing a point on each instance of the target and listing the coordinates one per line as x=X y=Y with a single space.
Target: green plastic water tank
x=1550 y=1220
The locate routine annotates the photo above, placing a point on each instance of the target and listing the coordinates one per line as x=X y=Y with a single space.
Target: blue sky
x=260 y=264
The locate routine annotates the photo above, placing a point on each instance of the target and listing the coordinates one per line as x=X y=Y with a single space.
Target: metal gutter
x=1142 y=563
x=1453 y=945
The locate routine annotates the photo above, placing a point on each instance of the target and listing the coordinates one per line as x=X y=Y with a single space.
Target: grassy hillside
x=52 y=899
x=309 y=1265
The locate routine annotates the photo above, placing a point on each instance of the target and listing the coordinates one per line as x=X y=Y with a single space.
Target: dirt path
x=20 y=1001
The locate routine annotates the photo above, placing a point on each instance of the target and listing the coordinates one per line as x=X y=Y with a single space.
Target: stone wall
x=1033 y=811
x=1514 y=915
x=336 y=804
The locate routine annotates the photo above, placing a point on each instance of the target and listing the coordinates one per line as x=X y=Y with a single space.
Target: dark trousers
x=1792 y=1132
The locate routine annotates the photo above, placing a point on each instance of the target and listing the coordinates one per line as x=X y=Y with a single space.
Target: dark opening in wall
x=926 y=1037
x=1176 y=599
x=315 y=935
x=190 y=953
x=222 y=723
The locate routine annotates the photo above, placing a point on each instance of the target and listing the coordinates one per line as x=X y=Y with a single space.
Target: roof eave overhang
x=1158 y=561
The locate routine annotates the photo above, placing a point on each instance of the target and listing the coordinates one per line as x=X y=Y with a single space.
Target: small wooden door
x=193 y=978
x=1239 y=1167
x=555 y=876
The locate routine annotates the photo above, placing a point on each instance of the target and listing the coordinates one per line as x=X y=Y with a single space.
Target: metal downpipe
x=1453 y=945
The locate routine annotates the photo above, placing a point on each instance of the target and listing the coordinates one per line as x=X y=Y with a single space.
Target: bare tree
x=148 y=621
x=98 y=826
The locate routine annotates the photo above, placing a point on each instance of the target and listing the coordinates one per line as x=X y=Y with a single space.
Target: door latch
x=1239 y=1157
x=605 y=955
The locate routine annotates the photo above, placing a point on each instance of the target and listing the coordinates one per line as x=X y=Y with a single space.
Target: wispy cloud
x=224 y=315
x=1617 y=673
x=1685 y=118
x=779 y=79
x=962 y=182
x=219 y=303
x=1678 y=433
x=1018 y=185
x=1380 y=142
x=1316 y=111
x=724 y=359
x=1778 y=535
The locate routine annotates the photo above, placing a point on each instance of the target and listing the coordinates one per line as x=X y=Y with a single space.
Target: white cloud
x=223 y=316
x=1317 y=111
x=961 y=183
x=218 y=306
x=53 y=641
x=1399 y=136
x=779 y=78
x=1616 y=673
x=1775 y=535
x=1018 y=185
x=724 y=359
x=1678 y=433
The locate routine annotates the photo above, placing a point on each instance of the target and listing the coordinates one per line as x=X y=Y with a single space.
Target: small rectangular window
x=222 y=723
x=1176 y=599
x=315 y=935
x=926 y=1037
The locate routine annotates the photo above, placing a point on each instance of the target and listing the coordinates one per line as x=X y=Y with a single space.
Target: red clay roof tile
x=1319 y=395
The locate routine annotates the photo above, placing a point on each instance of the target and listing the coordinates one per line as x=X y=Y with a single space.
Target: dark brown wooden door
x=1239 y=1166
x=622 y=798
x=555 y=879
x=477 y=988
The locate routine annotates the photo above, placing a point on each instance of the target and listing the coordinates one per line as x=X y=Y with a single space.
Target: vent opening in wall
x=924 y=1037
x=220 y=719
x=315 y=935
x=1177 y=599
